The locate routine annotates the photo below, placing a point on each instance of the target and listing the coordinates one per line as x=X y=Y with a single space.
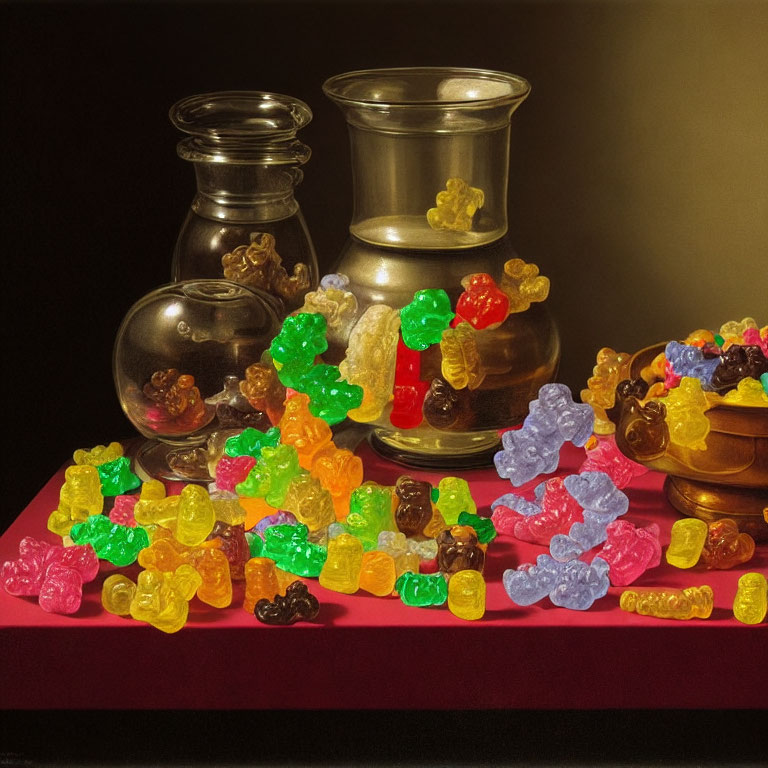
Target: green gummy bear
x=272 y=475
x=370 y=513
x=116 y=477
x=300 y=340
x=423 y=321
x=454 y=499
x=304 y=559
x=280 y=539
x=250 y=442
x=330 y=396
x=484 y=528
x=118 y=544
x=422 y=589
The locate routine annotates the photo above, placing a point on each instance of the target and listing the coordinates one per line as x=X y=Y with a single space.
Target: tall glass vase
x=244 y=223
x=430 y=157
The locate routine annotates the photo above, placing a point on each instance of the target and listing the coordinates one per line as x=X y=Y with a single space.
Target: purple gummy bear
x=606 y=457
x=334 y=280
x=630 y=551
x=574 y=585
x=687 y=360
x=535 y=448
x=281 y=517
x=602 y=503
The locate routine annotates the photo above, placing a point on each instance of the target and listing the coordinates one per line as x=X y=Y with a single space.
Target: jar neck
x=245 y=193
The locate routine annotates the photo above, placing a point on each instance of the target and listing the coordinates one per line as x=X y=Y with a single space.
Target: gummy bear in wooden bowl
x=728 y=478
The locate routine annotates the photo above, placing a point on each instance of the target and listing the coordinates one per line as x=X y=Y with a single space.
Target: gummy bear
x=162 y=599
x=179 y=397
x=215 y=587
x=422 y=589
x=482 y=304
x=336 y=304
x=370 y=360
x=339 y=472
x=260 y=582
x=630 y=551
x=370 y=512
x=330 y=396
x=80 y=497
x=298 y=604
x=748 y=392
x=61 y=590
x=250 y=442
x=739 y=362
x=309 y=502
x=425 y=318
x=461 y=365
x=466 y=595
x=406 y=410
x=688 y=425
x=523 y=284
x=99 y=454
x=725 y=546
x=690 y=361
x=117 y=592
x=234 y=546
x=604 y=456
x=600 y=393
x=308 y=434
x=484 y=528
x=645 y=433
x=414 y=509
x=259 y=265
x=378 y=573
x=669 y=603
x=118 y=544
x=455 y=498
x=341 y=572
x=553 y=512
x=196 y=516
x=687 y=539
x=264 y=390
x=122 y=511
x=300 y=340
x=447 y=408
x=232 y=470
x=458 y=549
x=456 y=206
x=751 y=601
x=271 y=476
x=116 y=477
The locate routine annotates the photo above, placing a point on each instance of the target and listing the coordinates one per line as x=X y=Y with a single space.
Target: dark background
x=638 y=183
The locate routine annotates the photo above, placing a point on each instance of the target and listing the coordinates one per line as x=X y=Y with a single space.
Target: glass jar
x=179 y=356
x=244 y=223
x=430 y=158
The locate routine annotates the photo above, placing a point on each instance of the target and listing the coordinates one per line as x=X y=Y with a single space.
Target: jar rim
x=223 y=115
x=439 y=87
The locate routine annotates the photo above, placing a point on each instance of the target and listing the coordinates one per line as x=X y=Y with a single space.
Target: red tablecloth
x=365 y=652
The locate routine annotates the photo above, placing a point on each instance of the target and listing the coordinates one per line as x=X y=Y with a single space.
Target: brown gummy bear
x=298 y=604
x=445 y=407
x=739 y=362
x=263 y=390
x=178 y=394
x=726 y=546
x=414 y=511
x=458 y=550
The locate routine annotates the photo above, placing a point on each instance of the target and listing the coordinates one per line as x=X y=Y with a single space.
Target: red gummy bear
x=122 y=511
x=231 y=470
x=483 y=303
x=409 y=391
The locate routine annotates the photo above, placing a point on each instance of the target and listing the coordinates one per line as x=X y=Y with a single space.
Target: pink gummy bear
x=671 y=379
x=752 y=336
x=606 y=457
x=53 y=572
x=122 y=512
x=231 y=470
x=630 y=551
x=559 y=511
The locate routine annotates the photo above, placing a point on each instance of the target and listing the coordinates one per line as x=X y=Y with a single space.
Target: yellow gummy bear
x=196 y=516
x=687 y=539
x=309 y=502
x=669 y=603
x=117 y=592
x=461 y=365
x=748 y=391
x=341 y=570
x=456 y=206
x=98 y=455
x=751 y=602
x=79 y=498
x=611 y=368
x=370 y=360
x=734 y=329
x=337 y=306
x=162 y=599
x=466 y=595
x=523 y=284
x=687 y=423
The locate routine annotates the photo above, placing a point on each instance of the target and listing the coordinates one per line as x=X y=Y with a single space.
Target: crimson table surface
x=365 y=652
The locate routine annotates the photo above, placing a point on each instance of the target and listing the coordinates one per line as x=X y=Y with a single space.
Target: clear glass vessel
x=244 y=223
x=415 y=132
x=179 y=356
